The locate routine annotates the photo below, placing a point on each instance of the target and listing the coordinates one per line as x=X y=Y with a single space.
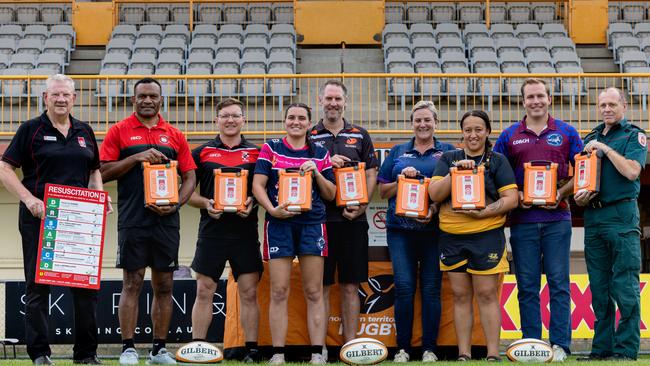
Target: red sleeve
x=185 y=159
x=110 y=148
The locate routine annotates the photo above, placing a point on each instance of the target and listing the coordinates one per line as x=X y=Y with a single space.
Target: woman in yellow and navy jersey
x=472 y=242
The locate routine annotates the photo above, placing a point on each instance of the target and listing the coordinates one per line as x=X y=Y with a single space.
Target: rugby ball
x=530 y=350
x=199 y=352
x=363 y=351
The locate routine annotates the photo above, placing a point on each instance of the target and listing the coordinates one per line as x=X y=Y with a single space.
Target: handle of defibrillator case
x=540 y=162
x=351 y=163
x=230 y=169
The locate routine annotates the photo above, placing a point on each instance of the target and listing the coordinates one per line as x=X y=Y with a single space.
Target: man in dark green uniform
x=612 y=235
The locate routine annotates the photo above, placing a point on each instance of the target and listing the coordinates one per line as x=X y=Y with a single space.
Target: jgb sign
x=61 y=317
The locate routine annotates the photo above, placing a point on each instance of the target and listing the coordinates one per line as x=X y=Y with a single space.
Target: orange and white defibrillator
x=540 y=183
x=412 y=197
x=467 y=188
x=294 y=187
x=586 y=176
x=230 y=189
x=160 y=183
x=351 y=187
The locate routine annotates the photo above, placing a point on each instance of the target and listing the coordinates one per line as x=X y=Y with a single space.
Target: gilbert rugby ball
x=363 y=351
x=199 y=352
x=529 y=350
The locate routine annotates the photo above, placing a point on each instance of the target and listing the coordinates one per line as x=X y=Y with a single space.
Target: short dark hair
x=533 y=81
x=146 y=81
x=334 y=83
x=228 y=102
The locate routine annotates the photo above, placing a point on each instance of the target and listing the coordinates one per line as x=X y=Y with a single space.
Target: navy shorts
x=286 y=239
x=479 y=253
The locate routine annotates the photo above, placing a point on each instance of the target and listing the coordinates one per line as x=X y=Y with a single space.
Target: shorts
x=348 y=253
x=479 y=253
x=287 y=239
x=212 y=253
x=152 y=246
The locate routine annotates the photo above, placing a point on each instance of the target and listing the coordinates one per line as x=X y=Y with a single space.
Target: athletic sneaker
x=401 y=356
x=162 y=358
x=317 y=359
x=129 y=357
x=558 y=354
x=277 y=359
x=429 y=356
x=253 y=356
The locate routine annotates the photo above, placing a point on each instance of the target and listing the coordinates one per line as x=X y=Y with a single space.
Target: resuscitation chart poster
x=71 y=241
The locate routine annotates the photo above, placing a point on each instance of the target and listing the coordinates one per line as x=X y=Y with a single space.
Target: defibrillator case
x=294 y=187
x=540 y=183
x=160 y=183
x=351 y=189
x=467 y=188
x=586 y=176
x=230 y=189
x=412 y=197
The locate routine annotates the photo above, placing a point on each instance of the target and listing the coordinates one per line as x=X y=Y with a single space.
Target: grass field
x=644 y=360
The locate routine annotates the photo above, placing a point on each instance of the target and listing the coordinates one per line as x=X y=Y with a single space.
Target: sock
x=251 y=346
x=198 y=340
x=278 y=350
x=157 y=345
x=127 y=343
x=317 y=349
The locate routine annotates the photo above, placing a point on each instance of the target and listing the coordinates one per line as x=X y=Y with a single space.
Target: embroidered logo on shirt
x=554 y=139
x=521 y=141
x=81 y=141
x=244 y=156
x=164 y=139
x=351 y=141
x=49 y=138
x=642 y=139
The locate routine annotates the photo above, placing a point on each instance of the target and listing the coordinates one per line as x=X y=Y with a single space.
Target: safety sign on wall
x=72 y=237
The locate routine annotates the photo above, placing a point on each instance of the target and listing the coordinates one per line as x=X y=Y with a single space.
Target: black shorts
x=347 y=254
x=152 y=246
x=479 y=253
x=211 y=256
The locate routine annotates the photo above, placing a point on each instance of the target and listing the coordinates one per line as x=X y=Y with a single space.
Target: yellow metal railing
x=379 y=102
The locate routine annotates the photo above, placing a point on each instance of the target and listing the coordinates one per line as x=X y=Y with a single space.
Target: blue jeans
x=548 y=243
x=407 y=248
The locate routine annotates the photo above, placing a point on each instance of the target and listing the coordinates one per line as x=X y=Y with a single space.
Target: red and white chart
x=72 y=237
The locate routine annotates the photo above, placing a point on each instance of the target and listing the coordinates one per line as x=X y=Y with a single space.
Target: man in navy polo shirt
x=347 y=228
x=541 y=236
x=52 y=148
x=147 y=236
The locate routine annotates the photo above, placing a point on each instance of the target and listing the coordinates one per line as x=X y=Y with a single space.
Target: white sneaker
x=162 y=358
x=401 y=356
x=317 y=359
x=129 y=357
x=558 y=354
x=324 y=353
x=277 y=359
x=429 y=356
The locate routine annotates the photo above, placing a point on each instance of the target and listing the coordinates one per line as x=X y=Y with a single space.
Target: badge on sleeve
x=642 y=139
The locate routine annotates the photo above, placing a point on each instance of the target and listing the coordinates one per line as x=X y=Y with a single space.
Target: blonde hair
x=425 y=104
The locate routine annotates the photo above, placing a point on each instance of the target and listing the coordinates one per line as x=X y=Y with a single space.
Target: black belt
x=601 y=204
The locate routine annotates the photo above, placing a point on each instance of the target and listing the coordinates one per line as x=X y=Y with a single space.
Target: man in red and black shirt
x=226 y=236
x=347 y=228
x=147 y=236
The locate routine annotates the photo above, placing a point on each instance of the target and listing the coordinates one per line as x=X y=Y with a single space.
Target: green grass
x=643 y=360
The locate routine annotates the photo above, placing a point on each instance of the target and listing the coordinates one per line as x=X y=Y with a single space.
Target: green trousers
x=613 y=256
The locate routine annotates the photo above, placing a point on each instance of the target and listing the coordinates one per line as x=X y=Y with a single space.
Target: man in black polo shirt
x=52 y=148
x=147 y=236
x=226 y=236
x=347 y=228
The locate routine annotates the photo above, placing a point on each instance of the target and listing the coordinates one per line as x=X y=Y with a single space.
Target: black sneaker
x=253 y=356
x=620 y=357
x=93 y=360
x=591 y=357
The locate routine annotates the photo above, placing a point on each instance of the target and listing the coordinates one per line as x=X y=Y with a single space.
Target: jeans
x=546 y=243
x=408 y=248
